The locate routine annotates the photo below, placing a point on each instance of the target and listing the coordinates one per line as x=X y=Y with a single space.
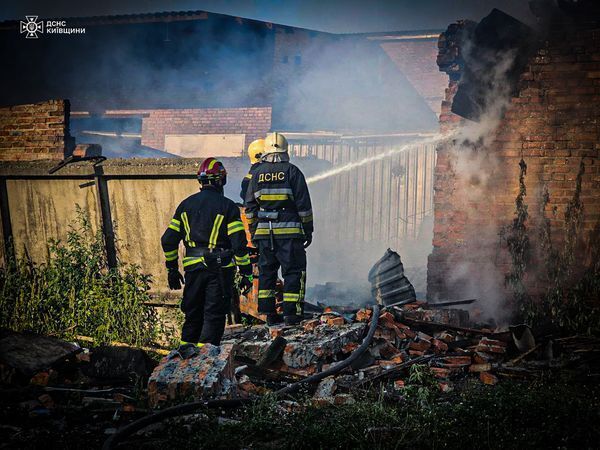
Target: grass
x=75 y=293
x=509 y=415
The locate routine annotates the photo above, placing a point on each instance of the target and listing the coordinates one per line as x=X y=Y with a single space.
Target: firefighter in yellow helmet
x=255 y=152
x=279 y=212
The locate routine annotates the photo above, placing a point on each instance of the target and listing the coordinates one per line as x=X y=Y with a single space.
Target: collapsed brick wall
x=554 y=125
x=35 y=131
x=253 y=122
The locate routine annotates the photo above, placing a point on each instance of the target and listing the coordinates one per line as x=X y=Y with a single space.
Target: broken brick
x=455 y=362
x=201 y=376
x=409 y=333
x=335 y=321
x=491 y=346
x=388 y=351
x=488 y=378
x=444 y=336
x=420 y=346
x=387 y=364
x=387 y=320
x=310 y=325
x=439 y=346
x=364 y=315
x=303 y=350
x=350 y=347
x=275 y=332
x=326 y=388
x=343 y=399
x=46 y=401
x=445 y=386
x=41 y=378
x=482 y=358
x=480 y=367
x=247 y=386
x=440 y=372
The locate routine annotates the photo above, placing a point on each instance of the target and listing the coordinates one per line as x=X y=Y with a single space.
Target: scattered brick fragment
x=439 y=346
x=343 y=399
x=440 y=372
x=445 y=386
x=364 y=315
x=420 y=346
x=335 y=321
x=480 y=367
x=310 y=325
x=491 y=346
x=488 y=378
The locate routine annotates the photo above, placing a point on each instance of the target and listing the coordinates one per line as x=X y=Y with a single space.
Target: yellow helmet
x=256 y=150
x=275 y=143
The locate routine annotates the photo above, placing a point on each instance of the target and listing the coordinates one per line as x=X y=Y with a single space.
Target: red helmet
x=212 y=171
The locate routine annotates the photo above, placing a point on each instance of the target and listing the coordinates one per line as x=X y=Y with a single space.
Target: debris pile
x=267 y=359
x=48 y=379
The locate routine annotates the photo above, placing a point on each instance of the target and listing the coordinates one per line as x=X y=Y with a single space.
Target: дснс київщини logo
x=32 y=27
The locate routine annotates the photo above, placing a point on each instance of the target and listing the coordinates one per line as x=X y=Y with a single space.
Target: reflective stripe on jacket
x=279 y=187
x=206 y=220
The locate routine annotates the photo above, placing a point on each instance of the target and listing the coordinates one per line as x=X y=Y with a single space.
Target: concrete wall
x=141 y=209
x=42 y=210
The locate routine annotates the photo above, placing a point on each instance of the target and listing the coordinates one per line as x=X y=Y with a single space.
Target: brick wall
x=36 y=131
x=253 y=122
x=554 y=125
x=416 y=59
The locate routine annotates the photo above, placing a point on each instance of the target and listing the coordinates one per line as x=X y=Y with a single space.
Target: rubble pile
x=42 y=377
x=416 y=333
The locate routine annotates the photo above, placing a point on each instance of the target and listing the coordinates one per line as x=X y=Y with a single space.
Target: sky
x=335 y=16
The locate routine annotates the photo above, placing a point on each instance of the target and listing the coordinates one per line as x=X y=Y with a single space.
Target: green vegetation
x=571 y=287
x=509 y=415
x=75 y=293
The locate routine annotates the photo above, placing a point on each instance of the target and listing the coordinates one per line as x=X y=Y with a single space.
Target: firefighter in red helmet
x=215 y=243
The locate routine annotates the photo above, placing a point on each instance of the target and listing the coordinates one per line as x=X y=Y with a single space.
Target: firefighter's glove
x=175 y=279
x=307 y=240
x=246 y=284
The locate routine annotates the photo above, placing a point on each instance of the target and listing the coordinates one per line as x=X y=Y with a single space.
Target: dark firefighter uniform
x=215 y=242
x=246 y=181
x=279 y=211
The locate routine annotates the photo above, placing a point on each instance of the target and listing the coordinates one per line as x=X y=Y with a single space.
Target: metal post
x=6 y=224
x=105 y=215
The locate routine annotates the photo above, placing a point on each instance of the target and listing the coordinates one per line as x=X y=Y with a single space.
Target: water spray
x=361 y=162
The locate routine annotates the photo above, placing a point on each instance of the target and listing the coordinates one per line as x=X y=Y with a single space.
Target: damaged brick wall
x=35 y=131
x=253 y=122
x=554 y=125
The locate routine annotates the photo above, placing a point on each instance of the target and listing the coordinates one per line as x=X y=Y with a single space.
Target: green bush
x=75 y=293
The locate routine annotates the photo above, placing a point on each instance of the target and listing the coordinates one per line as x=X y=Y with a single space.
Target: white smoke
x=476 y=273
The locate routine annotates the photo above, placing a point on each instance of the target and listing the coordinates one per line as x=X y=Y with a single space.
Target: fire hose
x=189 y=408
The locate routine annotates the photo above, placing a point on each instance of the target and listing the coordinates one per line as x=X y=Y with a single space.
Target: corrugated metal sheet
x=387 y=198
